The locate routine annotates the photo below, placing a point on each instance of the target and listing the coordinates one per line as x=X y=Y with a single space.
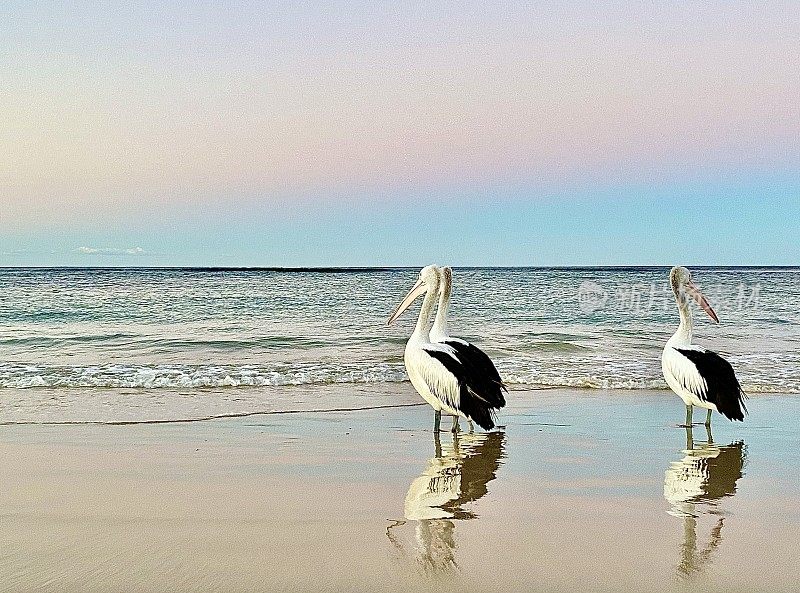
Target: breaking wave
x=171 y=376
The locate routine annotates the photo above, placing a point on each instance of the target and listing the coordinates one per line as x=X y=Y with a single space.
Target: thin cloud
x=111 y=250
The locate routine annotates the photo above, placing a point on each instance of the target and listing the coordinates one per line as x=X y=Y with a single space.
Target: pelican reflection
x=455 y=477
x=694 y=487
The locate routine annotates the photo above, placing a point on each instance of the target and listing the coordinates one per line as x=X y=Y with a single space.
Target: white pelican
x=700 y=377
x=493 y=386
x=444 y=379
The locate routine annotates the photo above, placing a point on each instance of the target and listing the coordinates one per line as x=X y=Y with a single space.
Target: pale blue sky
x=727 y=223
x=370 y=133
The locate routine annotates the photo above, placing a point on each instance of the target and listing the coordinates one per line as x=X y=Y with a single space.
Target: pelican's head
x=682 y=285
x=428 y=280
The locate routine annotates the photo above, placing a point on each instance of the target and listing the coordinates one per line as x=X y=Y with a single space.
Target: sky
x=399 y=133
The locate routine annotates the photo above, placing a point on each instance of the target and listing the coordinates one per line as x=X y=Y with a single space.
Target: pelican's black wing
x=486 y=380
x=470 y=402
x=722 y=388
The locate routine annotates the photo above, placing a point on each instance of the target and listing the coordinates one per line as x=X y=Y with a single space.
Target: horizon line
x=392 y=268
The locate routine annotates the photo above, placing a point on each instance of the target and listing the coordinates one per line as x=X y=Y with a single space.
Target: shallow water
x=89 y=335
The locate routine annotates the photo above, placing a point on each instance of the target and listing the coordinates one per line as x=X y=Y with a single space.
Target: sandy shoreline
x=569 y=494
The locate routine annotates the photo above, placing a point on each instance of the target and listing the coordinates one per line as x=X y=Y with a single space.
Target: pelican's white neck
x=423 y=327
x=439 y=329
x=683 y=335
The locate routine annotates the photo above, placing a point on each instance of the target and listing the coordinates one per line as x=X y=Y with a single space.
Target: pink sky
x=487 y=97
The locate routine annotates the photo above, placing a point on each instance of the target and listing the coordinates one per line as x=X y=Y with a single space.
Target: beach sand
x=578 y=490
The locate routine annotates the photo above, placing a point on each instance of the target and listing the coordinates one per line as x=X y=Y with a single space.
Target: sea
x=165 y=344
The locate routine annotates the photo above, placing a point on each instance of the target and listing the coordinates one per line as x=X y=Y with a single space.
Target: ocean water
x=105 y=344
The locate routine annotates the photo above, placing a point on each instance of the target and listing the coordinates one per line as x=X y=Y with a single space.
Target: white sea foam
x=182 y=376
x=122 y=376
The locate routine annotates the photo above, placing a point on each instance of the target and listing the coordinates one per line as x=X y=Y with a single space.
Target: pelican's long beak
x=695 y=293
x=419 y=288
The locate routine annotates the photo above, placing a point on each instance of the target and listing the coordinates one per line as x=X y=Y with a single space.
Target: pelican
x=493 y=386
x=698 y=376
x=445 y=379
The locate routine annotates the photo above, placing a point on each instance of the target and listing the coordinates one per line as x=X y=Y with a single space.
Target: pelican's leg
x=455 y=424
x=437 y=443
x=437 y=421
x=708 y=434
x=689 y=438
x=708 y=419
x=471 y=426
x=688 y=416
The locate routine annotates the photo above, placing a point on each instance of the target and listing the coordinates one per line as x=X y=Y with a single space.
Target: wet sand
x=579 y=490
